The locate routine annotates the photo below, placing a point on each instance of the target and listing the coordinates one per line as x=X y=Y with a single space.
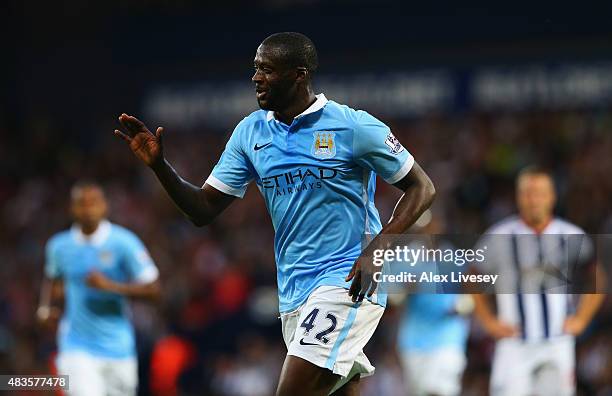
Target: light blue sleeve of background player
x=137 y=260
x=375 y=148
x=233 y=172
x=52 y=266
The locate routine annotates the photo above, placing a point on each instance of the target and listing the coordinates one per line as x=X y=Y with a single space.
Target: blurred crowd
x=216 y=330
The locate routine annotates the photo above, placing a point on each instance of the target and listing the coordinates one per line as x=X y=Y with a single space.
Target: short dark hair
x=83 y=184
x=534 y=170
x=295 y=48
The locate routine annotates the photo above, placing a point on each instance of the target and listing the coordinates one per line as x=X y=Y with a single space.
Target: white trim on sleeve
x=402 y=172
x=149 y=274
x=224 y=188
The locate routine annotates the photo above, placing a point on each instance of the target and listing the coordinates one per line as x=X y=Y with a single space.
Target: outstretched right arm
x=200 y=204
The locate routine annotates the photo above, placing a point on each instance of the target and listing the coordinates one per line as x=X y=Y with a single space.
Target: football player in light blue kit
x=432 y=339
x=315 y=163
x=95 y=266
x=433 y=330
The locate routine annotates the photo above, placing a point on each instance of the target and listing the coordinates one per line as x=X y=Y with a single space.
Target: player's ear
x=105 y=208
x=72 y=209
x=302 y=74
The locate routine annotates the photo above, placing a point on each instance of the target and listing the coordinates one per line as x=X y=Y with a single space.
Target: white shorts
x=330 y=331
x=97 y=376
x=437 y=372
x=534 y=368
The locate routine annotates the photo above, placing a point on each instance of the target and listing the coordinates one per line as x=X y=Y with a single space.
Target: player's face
x=535 y=198
x=88 y=206
x=275 y=83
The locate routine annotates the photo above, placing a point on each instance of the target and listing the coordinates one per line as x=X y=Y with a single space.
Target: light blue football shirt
x=317 y=178
x=428 y=324
x=95 y=321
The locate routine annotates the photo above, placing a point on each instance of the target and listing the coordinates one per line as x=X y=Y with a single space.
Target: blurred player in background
x=534 y=354
x=433 y=332
x=432 y=339
x=315 y=163
x=94 y=267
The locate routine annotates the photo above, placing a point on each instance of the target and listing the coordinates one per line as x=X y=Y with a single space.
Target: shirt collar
x=99 y=236
x=544 y=230
x=316 y=106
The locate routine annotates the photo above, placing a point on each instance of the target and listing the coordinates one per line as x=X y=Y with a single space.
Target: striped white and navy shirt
x=525 y=297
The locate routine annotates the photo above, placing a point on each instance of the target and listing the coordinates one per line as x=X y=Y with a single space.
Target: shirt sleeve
x=52 y=265
x=138 y=261
x=233 y=173
x=580 y=249
x=375 y=148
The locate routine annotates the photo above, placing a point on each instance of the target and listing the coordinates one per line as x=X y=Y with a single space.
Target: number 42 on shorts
x=308 y=325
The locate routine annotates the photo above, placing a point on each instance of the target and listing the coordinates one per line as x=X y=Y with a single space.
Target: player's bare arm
x=200 y=204
x=493 y=326
x=419 y=193
x=485 y=314
x=147 y=291
x=51 y=300
x=588 y=306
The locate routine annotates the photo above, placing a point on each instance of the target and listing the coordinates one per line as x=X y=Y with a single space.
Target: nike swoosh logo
x=260 y=147
x=305 y=343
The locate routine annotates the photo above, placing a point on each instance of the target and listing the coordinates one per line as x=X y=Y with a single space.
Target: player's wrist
x=113 y=287
x=158 y=164
x=47 y=313
x=376 y=244
x=582 y=320
x=491 y=324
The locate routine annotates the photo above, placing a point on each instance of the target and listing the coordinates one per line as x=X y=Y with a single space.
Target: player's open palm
x=144 y=144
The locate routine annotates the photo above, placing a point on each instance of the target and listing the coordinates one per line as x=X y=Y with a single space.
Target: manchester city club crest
x=323 y=145
x=106 y=258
